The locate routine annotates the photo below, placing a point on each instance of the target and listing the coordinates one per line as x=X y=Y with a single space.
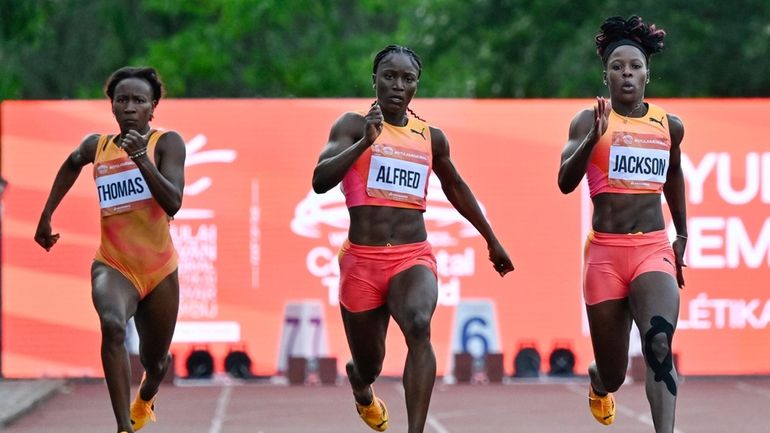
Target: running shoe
x=602 y=407
x=142 y=411
x=375 y=415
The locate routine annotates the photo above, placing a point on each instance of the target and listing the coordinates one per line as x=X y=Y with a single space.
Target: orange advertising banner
x=258 y=247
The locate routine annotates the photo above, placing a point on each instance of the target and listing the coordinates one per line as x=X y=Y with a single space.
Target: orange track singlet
x=136 y=239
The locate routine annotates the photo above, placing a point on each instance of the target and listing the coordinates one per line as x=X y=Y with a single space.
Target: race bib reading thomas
x=638 y=161
x=398 y=174
x=121 y=187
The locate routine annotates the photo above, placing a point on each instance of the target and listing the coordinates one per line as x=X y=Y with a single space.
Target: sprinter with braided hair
x=630 y=151
x=383 y=159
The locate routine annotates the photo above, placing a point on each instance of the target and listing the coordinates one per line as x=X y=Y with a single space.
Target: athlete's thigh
x=113 y=295
x=412 y=294
x=366 y=332
x=156 y=316
x=610 y=325
x=654 y=294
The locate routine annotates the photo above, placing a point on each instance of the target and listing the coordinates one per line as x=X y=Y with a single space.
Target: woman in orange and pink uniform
x=139 y=175
x=383 y=159
x=630 y=152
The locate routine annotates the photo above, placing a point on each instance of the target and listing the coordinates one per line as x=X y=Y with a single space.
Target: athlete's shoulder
x=676 y=128
x=168 y=135
x=437 y=134
x=350 y=119
x=92 y=140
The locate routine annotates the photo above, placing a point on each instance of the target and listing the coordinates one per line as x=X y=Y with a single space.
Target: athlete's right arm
x=68 y=173
x=584 y=132
x=349 y=137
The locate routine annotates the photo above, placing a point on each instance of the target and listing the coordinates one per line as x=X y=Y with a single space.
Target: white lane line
x=219 y=413
x=431 y=421
x=436 y=425
x=747 y=387
x=624 y=410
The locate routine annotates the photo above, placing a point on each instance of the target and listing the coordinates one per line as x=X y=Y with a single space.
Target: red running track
x=705 y=406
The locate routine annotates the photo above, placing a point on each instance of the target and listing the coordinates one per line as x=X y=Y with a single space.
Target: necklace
x=633 y=110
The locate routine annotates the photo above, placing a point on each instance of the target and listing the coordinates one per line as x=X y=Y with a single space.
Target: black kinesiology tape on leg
x=662 y=369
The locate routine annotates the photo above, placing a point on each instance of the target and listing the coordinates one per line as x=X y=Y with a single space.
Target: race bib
x=121 y=187
x=398 y=174
x=638 y=161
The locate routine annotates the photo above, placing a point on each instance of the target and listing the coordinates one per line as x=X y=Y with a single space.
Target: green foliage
x=324 y=48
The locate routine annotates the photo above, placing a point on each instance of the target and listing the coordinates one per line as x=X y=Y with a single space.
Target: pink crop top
x=394 y=170
x=632 y=156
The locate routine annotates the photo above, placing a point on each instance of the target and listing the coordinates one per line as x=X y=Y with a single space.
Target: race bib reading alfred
x=398 y=174
x=638 y=161
x=121 y=187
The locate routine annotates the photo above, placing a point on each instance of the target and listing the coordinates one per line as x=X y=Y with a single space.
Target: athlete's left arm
x=675 y=194
x=459 y=194
x=165 y=178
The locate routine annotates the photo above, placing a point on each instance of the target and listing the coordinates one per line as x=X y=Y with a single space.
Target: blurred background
x=64 y=49
x=253 y=87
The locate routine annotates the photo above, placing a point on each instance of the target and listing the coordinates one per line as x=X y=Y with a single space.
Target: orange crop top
x=394 y=170
x=632 y=156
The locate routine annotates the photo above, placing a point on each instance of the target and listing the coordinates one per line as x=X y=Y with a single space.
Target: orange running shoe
x=375 y=415
x=142 y=411
x=602 y=407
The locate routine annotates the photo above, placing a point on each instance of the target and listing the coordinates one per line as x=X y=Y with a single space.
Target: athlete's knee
x=658 y=354
x=113 y=328
x=659 y=347
x=417 y=327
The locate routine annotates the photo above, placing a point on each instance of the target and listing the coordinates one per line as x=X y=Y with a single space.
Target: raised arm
x=584 y=132
x=459 y=194
x=675 y=195
x=351 y=134
x=68 y=173
x=165 y=178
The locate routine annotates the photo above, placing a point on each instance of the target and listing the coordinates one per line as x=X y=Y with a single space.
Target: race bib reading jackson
x=638 y=161
x=399 y=176
x=121 y=188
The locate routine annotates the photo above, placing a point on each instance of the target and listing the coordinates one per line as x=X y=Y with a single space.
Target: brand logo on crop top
x=421 y=133
x=652 y=119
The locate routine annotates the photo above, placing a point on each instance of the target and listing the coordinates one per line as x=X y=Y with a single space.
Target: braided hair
x=617 y=31
x=398 y=49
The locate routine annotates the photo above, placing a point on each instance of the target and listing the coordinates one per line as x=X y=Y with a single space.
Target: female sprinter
x=139 y=175
x=629 y=150
x=383 y=158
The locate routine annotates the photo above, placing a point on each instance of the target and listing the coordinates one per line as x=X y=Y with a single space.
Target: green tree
x=324 y=48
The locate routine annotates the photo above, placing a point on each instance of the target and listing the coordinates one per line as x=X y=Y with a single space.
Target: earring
x=605 y=82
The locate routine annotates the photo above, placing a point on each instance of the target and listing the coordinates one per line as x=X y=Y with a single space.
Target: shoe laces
x=147 y=408
x=372 y=409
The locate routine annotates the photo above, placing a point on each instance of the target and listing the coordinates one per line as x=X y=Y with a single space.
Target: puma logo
x=652 y=119
x=420 y=133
